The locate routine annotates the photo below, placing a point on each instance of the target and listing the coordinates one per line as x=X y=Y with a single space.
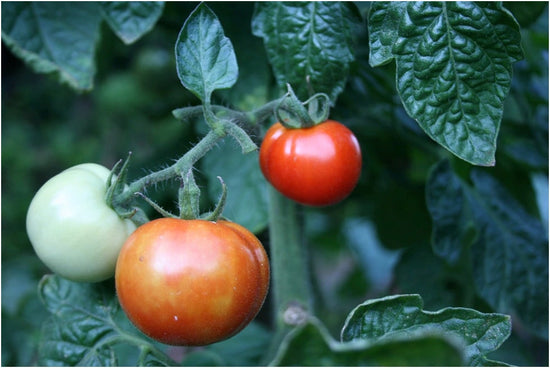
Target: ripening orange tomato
x=191 y=282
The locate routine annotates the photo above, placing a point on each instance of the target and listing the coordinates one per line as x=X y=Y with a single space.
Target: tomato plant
x=191 y=282
x=436 y=256
x=317 y=166
x=72 y=229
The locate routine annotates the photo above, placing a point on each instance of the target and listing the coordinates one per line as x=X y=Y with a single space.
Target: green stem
x=192 y=112
x=292 y=293
x=182 y=166
x=251 y=118
x=261 y=114
x=240 y=136
x=219 y=129
x=144 y=346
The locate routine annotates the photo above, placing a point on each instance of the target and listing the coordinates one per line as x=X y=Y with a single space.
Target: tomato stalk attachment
x=189 y=197
x=292 y=113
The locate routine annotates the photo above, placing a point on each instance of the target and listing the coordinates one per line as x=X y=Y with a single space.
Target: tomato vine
x=422 y=206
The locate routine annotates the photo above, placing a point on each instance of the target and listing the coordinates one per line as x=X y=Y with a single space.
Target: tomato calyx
x=116 y=182
x=120 y=197
x=216 y=214
x=293 y=114
x=188 y=201
x=116 y=185
x=189 y=197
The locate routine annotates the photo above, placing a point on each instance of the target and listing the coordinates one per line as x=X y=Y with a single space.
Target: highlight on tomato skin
x=315 y=166
x=191 y=282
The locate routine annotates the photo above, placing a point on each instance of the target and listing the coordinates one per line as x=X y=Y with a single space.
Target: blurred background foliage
x=375 y=243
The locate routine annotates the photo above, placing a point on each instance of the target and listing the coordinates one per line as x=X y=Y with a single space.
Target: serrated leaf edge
x=415 y=300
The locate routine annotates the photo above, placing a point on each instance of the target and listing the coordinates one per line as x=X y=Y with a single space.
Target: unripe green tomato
x=72 y=229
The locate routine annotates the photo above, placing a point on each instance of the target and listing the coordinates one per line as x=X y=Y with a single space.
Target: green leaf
x=205 y=58
x=509 y=256
x=383 y=21
x=312 y=39
x=454 y=68
x=131 y=19
x=453 y=228
x=61 y=37
x=311 y=345
x=85 y=325
x=60 y=347
x=245 y=185
x=80 y=322
x=54 y=37
x=514 y=278
x=402 y=315
x=524 y=135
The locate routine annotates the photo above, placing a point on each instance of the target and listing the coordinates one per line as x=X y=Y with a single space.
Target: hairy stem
x=220 y=127
x=181 y=167
x=261 y=114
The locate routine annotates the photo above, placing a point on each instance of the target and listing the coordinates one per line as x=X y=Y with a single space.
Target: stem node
x=295 y=314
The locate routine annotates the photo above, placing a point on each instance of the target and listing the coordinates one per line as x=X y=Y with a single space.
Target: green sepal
x=116 y=185
x=156 y=207
x=292 y=113
x=216 y=214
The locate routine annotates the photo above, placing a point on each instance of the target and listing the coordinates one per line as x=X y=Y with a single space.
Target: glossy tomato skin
x=72 y=229
x=315 y=166
x=191 y=282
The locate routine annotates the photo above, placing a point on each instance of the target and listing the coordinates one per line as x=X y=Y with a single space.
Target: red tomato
x=191 y=282
x=315 y=166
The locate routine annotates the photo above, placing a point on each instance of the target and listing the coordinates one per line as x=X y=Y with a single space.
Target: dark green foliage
x=432 y=90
